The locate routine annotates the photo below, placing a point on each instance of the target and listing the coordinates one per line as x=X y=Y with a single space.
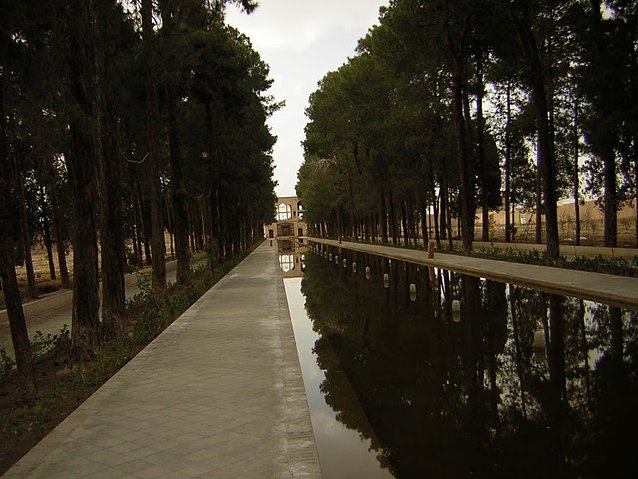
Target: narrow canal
x=462 y=378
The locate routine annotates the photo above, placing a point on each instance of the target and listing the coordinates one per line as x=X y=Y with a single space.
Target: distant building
x=289 y=227
x=288 y=231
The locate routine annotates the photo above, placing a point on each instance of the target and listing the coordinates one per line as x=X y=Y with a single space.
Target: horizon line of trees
x=453 y=106
x=120 y=121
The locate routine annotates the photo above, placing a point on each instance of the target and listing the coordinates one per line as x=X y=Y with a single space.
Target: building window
x=284 y=212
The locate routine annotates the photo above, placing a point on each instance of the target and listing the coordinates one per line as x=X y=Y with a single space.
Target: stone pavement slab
x=603 y=288
x=219 y=394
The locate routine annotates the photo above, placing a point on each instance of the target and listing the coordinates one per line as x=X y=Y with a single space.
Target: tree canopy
x=122 y=123
x=453 y=106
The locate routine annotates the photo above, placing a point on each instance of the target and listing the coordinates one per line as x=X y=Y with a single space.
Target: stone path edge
x=621 y=291
x=303 y=458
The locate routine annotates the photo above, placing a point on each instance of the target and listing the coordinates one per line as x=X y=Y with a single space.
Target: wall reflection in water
x=292 y=265
x=517 y=383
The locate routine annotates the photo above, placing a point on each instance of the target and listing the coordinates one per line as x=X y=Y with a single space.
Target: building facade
x=289 y=227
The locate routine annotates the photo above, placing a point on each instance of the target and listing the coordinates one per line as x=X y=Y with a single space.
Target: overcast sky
x=301 y=40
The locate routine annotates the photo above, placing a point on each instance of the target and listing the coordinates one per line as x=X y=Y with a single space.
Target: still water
x=468 y=378
x=343 y=452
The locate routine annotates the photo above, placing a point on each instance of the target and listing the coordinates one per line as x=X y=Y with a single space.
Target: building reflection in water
x=515 y=383
x=292 y=261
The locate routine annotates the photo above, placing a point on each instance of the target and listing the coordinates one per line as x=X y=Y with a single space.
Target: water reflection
x=344 y=453
x=292 y=265
x=516 y=383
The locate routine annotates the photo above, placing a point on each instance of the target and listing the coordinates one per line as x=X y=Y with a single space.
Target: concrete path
x=219 y=394
x=604 y=288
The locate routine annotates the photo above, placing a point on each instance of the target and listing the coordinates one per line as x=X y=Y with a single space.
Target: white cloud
x=301 y=40
x=296 y=24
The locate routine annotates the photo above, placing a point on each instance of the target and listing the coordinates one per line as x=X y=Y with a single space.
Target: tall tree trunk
x=513 y=223
x=457 y=44
x=82 y=168
x=48 y=243
x=413 y=222
x=111 y=231
x=466 y=203
x=607 y=134
x=438 y=231
x=32 y=287
x=141 y=209
x=538 y=213
x=152 y=132
x=636 y=186
x=168 y=209
x=633 y=78
x=191 y=226
x=521 y=15
x=178 y=190
x=480 y=137
x=393 y=219
x=9 y=225
x=423 y=211
x=59 y=238
x=178 y=194
x=384 y=219
x=212 y=194
x=405 y=224
x=610 y=198
x=508 y=157
x=443 y=195
x=575 y=171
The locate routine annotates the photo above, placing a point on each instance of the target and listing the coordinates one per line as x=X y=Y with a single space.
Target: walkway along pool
x=516 y=383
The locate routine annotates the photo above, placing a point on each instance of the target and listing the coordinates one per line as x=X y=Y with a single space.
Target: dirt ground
x=42 y=276
x=17 y=441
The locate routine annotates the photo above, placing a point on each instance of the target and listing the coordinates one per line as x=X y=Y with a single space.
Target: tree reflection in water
x=472 y=396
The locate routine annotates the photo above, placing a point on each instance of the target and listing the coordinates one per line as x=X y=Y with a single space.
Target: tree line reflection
x=520 y=384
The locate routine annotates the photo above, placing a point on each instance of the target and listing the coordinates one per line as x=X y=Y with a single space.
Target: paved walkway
x=219 y=394
x=604 y=288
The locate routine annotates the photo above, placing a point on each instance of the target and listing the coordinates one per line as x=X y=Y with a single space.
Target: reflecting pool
x=344 y=452
x=467 y=377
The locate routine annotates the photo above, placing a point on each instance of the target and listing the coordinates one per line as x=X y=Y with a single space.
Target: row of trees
x=447 y=101
x=120 y=121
